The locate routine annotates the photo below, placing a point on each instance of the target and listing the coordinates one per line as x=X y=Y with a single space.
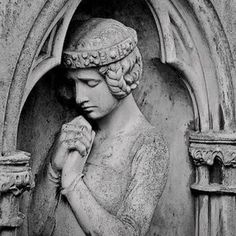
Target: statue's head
x=107 y=49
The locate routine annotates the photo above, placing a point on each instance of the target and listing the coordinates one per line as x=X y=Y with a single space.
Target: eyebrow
x=81 y=78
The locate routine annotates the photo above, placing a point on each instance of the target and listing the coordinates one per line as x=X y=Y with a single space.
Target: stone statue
x=109 y=179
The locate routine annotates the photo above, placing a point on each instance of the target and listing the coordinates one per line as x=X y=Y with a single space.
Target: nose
x=80 y=93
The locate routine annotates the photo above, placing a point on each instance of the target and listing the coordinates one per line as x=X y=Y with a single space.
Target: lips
x=88 y=108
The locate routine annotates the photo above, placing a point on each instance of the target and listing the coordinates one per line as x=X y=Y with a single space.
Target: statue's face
x=92 y=93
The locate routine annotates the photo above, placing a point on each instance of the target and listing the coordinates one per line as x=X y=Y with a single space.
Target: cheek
x=98 y=97
x=109 y=105
x=104 y=99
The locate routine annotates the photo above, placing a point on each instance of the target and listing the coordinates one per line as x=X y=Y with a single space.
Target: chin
x=94 y=116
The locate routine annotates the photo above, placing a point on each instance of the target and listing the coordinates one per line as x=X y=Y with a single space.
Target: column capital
x=204 y=148
x=15 y=178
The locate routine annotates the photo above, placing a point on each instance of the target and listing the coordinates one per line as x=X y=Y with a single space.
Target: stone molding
x=214 y=157
x=213 y=189
x=15 y=173
x=13 y=221
x=15 y=178
x=204 y=148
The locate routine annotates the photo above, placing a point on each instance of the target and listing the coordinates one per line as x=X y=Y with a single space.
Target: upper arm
x=149 y=172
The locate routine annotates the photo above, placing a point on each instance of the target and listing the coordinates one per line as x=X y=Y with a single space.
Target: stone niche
x=161 y=96
x=187 y=92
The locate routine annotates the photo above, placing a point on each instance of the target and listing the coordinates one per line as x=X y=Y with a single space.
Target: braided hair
x=123 y=76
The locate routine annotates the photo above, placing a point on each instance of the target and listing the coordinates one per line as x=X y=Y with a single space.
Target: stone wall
x=162 y=97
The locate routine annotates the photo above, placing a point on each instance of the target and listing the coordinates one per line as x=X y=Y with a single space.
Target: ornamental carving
x=100 y=49
x=205 y=148
x=192 y=39
x=15 y=173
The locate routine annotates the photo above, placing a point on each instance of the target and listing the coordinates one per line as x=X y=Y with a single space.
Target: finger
x=76 y=120
x=70 y=135
x=85 y=123
x=80 y=120
x=74 y=158
x=87 y=134
x=81 y=148
x=77 y=145
x=73 y=166
x=67 y=126
x=70 y=144
x=71 y=127
x=83 y=134
x=84 y=140
x=71 y=131
x=86 y=130
x=62 y=136
x=77 y=123
x=92 y=139
x=88 y=142
x=93 y=135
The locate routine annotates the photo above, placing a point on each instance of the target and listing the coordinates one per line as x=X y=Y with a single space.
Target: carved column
x=15 y=178
x=31 y=45
x=214 y=156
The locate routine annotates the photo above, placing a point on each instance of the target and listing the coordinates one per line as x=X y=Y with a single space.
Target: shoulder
x=150 y=138
x=150 y=150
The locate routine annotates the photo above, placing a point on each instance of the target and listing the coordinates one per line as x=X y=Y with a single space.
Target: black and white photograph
x=117 y=118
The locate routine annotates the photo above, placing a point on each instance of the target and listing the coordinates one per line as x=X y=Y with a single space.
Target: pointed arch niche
x=186 y=92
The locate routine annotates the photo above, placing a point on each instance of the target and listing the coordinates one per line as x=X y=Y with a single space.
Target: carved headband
x=92 y=58
x=98 y=42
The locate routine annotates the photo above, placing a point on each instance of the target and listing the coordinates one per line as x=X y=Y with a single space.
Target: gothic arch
x=197 y=46
x=192 y=40
x=51 y=25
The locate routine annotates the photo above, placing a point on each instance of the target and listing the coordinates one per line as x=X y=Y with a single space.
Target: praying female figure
x=109 y=179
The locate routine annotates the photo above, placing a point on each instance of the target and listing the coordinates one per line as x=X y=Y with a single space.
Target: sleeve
x=45 y=198
x=149 y=174
x=148 y=177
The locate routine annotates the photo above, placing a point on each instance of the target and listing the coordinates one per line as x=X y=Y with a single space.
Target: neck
x=124 y=115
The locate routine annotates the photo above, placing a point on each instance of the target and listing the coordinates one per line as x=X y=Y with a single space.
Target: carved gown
x=126 y=175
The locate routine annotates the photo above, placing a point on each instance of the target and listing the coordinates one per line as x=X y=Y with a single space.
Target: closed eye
x=89 y=82
x=92 y=83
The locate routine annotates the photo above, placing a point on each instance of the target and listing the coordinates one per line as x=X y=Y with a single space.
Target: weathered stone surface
x=15 y=178
x=17 y=18
x=125 y=173
x=202 y=36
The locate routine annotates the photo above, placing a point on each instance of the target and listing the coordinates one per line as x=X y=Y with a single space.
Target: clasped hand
x=71 y=149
